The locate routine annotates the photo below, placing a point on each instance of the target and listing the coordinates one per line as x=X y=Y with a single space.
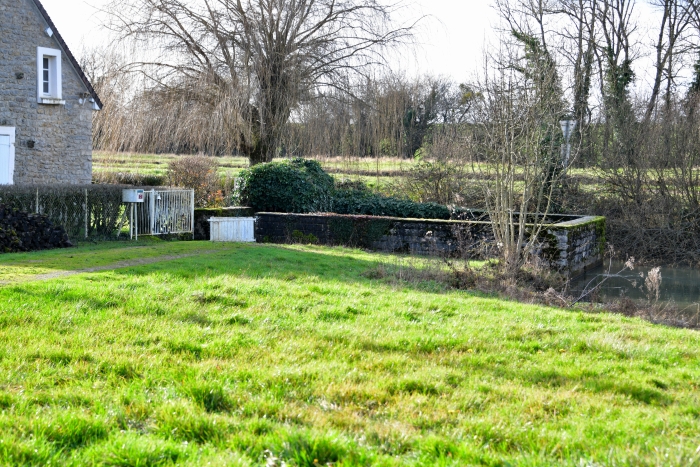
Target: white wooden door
x=7 y=155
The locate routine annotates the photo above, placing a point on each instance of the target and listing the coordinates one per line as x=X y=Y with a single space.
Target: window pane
x=45 y=88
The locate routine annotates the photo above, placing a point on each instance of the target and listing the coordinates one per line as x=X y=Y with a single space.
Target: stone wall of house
x=62 y=134
x=570 y=246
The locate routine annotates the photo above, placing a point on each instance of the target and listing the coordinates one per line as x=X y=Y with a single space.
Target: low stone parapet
x=570 y=244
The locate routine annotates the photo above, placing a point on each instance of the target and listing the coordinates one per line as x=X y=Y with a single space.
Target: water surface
x=679 y=285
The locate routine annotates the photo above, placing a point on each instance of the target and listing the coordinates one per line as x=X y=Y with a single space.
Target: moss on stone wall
x=565 y=245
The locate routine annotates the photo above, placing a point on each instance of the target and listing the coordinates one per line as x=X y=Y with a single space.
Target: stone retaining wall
x=571 y=246
x=578 y=244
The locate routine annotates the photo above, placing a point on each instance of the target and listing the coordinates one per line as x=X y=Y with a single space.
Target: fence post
x=37 y=200
x=152 y=211
x=192 y=218
x=86 y=214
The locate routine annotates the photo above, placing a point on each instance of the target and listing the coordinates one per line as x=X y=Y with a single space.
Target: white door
x=7 y=155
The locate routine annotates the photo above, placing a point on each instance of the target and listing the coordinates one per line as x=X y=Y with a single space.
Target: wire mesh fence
x=84 y=211
x=96 y=212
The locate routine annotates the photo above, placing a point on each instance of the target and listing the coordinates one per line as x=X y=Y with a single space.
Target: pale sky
x=452 y=36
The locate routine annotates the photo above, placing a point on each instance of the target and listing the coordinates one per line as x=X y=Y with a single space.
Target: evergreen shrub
x=21 y=231
x=296 y=185
x=356 y=200
x=301 y=186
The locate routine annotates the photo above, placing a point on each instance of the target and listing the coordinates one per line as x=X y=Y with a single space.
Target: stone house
x=46 y=101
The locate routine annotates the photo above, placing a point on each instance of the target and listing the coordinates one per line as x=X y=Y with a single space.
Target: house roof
x=69 y=54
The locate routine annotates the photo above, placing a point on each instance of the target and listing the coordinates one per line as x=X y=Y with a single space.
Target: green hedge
x=70 y=206
x=362 y=201
x=296 y=185
x=301 y=186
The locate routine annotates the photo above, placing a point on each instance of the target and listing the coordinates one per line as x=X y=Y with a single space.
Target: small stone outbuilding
x=46 y=101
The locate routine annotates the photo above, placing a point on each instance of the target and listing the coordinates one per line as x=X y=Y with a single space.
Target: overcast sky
x=453 y=34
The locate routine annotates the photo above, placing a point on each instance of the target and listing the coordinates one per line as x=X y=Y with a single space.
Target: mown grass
x=260 y=354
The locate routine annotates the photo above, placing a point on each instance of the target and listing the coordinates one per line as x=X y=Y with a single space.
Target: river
x=679 y=285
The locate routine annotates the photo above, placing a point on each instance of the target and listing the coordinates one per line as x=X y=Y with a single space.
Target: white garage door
x=7 y=155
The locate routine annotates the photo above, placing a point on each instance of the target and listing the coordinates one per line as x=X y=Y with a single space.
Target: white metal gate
x=164 y=212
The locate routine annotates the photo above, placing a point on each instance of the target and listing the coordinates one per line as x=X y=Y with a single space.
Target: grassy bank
x=257 y=354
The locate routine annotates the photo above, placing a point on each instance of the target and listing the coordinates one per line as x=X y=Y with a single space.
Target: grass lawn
x=193 y=353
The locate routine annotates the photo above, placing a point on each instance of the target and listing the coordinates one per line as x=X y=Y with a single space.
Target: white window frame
x=10 y=131
x=55 y=94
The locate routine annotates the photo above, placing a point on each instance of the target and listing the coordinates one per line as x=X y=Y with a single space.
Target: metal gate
x=164 y=212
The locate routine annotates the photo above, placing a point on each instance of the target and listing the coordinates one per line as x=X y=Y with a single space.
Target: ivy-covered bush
x=296 y=185
x=301 y=186
x=355 y=200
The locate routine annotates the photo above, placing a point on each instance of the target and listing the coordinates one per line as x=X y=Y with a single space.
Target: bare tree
x=517 y=119
x=265 y=56
x=578 y=33
x=671 y=45
x=615 y=54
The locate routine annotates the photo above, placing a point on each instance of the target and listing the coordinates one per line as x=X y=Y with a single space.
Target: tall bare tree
x=516 y=123
x=671 y=45
x=265 y=56
x=615 y=53
x=578 y=33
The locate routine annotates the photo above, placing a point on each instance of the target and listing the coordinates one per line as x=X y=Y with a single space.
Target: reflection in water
x=678 y=285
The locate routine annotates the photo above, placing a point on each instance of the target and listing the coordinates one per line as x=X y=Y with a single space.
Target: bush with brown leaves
x=200 y=174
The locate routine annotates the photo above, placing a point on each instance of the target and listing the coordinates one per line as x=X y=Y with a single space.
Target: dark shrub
x=20 y=231
x=296 y=185
x=357 y=200
x=301 y=186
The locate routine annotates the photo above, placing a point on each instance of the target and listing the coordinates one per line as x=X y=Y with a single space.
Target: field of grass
x=378 y=174
x=157 y=164
x=367 y=166
x=192 y=353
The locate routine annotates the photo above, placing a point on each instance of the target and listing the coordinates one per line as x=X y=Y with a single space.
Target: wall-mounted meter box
x=132 y=196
